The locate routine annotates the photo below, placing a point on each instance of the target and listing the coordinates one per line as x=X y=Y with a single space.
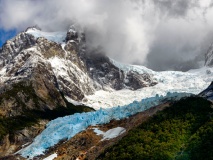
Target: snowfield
x=193 y=81
x=68 y=126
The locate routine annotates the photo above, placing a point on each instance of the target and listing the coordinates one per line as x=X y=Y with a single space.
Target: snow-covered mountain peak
x=77 y=71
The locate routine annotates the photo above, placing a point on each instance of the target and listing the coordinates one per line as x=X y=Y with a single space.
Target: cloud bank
x=160 y=34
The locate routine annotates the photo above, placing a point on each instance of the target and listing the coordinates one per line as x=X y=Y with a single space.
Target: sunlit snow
x=111 y=133
x=51 y=157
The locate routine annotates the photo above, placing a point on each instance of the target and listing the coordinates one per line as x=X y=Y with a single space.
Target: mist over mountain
x=158 y=34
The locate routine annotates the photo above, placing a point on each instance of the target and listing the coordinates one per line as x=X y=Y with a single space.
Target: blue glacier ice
x=68 y=126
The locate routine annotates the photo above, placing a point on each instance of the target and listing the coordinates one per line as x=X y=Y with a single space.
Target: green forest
x=183 y=131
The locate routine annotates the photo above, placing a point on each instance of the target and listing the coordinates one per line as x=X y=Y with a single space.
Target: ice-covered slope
x=193 y=81
x=67 y=127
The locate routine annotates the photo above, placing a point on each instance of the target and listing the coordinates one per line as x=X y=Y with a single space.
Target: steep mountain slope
x=208 y=93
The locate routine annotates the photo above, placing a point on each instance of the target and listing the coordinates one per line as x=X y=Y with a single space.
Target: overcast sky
x=160 y=34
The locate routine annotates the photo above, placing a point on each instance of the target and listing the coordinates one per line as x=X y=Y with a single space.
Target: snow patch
x=3 y=71
x=51 y=157
x=110 y=134
x=98 y=131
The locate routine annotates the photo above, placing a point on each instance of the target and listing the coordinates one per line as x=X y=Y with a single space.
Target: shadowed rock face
x=106 y=74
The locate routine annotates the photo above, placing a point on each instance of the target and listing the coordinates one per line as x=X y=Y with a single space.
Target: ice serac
x=208 y=92
x=209 y=57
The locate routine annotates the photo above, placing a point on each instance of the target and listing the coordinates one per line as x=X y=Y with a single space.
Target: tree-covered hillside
x=183 y=131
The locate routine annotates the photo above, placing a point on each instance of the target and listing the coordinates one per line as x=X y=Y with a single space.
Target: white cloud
x=128 y=30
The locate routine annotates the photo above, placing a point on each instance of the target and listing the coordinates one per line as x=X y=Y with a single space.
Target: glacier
x=192 y=81
x=66 y=127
